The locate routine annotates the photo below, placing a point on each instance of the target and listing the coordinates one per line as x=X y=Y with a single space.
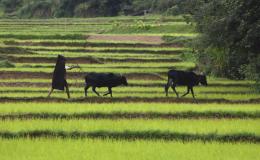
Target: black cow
x=183 y=78
x=108 y=80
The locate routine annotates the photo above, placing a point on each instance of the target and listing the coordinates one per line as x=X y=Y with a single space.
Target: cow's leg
x=193 y=95
x=174 y=90
x=50 y=92
x=94 y=90
x=188 y=91
x=109 y=92
x=86 y=90
x=192 y=92
x=67 y=91
x=167 y=86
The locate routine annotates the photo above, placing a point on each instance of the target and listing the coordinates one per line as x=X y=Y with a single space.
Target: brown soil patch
x=127 y=38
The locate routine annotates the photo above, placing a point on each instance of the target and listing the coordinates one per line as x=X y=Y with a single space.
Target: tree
x=11 y=5
x=230 y=28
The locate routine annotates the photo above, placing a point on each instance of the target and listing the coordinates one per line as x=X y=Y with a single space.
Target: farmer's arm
x=71 y=67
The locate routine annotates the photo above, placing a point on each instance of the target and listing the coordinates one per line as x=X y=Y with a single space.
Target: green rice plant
x=14 y=50
x=80 y=43
x=122 y=70
x=34 y=36
x=105 y=49
x=155 y=28
x=44 y=148
x=139 y=96
x=219 y=127
x=164 y=108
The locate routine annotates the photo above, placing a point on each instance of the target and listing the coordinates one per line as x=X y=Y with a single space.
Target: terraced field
x=139 y=122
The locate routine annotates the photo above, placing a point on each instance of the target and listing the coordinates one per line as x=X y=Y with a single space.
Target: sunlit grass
x=41 y=149
x=70 y=108
x=179 y=126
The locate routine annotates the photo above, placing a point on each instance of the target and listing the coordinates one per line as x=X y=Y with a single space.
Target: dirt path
x=127 y=38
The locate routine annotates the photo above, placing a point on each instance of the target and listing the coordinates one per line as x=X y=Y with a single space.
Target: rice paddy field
x=139 y=122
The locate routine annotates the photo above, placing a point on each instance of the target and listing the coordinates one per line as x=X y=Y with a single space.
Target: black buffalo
x=108 y=80
x=184 y=78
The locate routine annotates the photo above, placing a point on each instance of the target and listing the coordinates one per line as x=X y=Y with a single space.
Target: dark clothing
x=59 y=74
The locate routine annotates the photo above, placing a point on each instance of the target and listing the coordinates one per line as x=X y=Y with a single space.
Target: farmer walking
x=59 y=81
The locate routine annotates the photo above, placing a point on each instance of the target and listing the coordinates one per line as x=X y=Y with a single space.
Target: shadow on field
x=129 y=100
x=134 y=115
x=132 y=135
x=158 y=84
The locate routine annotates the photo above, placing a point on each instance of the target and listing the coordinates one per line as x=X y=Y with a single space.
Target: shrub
x=37 y=9
x=6 y=64
x=180 y=40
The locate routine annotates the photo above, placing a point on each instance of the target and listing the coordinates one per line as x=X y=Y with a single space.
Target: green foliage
x=39 y=36
x=84 y=10
x=231 y=29
x=90 y=8
x=189 y=57
x=140 y=26
x=251 y=71
x=6 y=64
x=179 y=40
x=11 y=5
x=36 y=9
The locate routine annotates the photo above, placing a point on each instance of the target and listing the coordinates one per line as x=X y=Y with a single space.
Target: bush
x=11 y=5
x=84 y=10
x=37 y=9
x=6 y=64
x=252 y=72
x=179 y=40
x=229 y=43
